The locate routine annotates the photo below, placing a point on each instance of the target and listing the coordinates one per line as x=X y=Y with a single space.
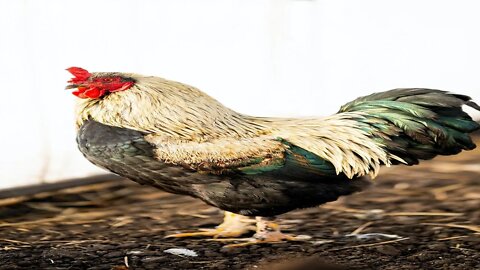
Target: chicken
x=176 y=138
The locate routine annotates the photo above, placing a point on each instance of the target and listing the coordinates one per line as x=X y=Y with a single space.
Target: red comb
x=79 y=73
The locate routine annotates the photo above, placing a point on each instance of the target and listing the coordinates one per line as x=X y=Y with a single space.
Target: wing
x=248 y=156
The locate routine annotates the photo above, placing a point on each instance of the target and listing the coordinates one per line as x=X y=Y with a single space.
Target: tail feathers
x=415 y=124
x=473 y=105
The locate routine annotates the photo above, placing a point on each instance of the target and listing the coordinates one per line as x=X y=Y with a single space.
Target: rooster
x=176 y=138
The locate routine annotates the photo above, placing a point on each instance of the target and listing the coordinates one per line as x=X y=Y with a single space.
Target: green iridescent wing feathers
x=296 y=163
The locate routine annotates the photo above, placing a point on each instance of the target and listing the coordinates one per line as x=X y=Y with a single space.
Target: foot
x=233 y=225
x=267 y=233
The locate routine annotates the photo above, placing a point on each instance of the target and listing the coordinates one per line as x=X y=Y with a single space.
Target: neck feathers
x=172 y=109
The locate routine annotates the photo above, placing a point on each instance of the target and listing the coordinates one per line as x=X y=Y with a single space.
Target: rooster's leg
x=233 y=225
x=268 y=232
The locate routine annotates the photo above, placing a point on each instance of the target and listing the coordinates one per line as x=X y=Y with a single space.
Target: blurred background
x=262 y=57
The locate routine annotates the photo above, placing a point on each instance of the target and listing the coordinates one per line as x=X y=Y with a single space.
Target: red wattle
x=94 y=92
x=79 y=94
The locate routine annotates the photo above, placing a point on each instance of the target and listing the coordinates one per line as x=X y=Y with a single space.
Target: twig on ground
x=352 y=210
x=14 y=241
x=474 y=228
x=456 y=237
x=361 y=228
x=372 y=244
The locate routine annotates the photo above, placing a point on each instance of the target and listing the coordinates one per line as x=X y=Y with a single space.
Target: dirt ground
x=422 y=217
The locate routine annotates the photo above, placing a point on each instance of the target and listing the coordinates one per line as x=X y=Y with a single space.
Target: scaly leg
x=233 y=225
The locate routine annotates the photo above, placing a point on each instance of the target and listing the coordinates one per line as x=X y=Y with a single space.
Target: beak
x=71 y=86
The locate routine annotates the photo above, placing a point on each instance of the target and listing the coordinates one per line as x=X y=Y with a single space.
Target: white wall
x=266 y=57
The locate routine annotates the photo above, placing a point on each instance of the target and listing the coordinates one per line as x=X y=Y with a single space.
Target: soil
x=422 y=217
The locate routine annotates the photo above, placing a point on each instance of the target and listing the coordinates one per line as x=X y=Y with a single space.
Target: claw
x=215 y=233
x=268 y=238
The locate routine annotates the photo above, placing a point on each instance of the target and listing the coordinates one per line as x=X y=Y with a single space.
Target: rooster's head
x=96 y=85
